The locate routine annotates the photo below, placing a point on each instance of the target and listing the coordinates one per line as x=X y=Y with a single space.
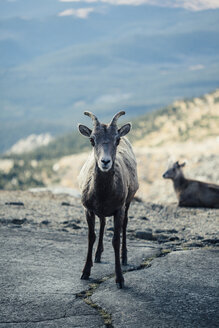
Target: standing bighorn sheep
x=192 y=193
x=108 y=182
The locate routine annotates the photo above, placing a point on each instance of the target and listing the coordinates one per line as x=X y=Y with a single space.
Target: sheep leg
x=124 y=226
x=100 y=242
x=118 y=217
x=91 y=239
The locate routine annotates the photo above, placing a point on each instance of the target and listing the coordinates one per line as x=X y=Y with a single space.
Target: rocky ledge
x=171 y=279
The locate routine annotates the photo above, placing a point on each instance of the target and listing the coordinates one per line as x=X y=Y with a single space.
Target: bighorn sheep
x=108 y=182
x=192 y=193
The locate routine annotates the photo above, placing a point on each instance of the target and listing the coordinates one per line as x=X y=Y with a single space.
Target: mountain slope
x=194 y=119
x=184 y=120
x=186 y=130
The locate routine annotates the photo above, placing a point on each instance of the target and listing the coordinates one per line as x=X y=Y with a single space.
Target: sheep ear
x=124 y=129
x=84 y=130
x=183 y=164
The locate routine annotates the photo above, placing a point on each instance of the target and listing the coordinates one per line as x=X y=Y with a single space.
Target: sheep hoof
x=97 y=259
x=85 y=276
x=120 y=284
x=124 y=262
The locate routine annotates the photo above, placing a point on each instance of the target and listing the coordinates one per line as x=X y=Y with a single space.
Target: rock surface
x=40 y=278
x=178 y=290
x=171 y=279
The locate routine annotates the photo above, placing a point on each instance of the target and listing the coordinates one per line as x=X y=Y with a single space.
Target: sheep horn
x=93 y=117
x=115 y=117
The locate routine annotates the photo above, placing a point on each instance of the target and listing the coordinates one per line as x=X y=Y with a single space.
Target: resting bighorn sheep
x=108 y=182
x=192 y=193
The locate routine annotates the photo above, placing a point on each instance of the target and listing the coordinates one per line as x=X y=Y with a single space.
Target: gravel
x=161 y=223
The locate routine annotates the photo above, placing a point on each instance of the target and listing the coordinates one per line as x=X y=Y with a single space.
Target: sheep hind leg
x=91 y=239
x=100 y=242
x=118 y=218
x=124 y=226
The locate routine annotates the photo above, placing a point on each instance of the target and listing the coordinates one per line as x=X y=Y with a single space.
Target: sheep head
x=174 y=171
x=105 y=138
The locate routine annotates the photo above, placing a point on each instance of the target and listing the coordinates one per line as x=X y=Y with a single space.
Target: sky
x=83 y=8
x=194 y=5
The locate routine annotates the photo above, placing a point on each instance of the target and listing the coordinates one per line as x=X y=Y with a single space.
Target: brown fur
x=108 y=193
x=192 y=193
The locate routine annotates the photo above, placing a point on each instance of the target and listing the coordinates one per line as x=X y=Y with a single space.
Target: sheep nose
x=105 y=161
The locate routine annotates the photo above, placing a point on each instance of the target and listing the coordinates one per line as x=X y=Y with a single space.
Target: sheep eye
x=92 y=141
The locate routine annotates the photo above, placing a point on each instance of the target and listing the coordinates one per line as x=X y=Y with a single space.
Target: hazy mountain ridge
x=186 y=130
x=129 y=57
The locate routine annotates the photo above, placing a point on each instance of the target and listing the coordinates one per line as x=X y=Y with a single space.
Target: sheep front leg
x=118 y=218
x=100 y=243
x=91 y=239
x=124 y=226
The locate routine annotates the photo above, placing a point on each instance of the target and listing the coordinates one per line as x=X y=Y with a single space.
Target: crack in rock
x=86 y=297
x=87 y=294
x=44 y=320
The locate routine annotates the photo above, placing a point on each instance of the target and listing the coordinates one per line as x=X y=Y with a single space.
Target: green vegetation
x=26 y=174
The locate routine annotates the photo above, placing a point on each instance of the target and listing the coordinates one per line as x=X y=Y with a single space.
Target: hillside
x=186 y=130
x=184 y=120
x=196 y=118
